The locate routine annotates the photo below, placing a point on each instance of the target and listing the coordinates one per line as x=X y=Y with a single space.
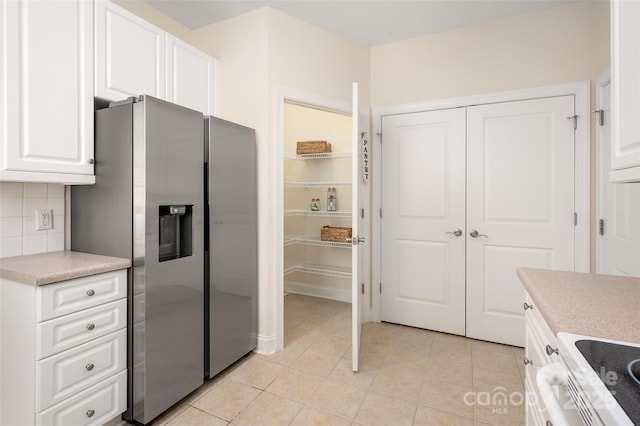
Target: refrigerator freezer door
x=168 y=327
x=233 y=241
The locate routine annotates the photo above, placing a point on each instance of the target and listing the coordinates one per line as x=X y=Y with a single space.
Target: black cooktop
x=618 y=367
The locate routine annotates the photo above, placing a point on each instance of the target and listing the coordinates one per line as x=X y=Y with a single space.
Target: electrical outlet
x=44 y=219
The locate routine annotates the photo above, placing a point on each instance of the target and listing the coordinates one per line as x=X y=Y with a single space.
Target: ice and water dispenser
x=175 y=232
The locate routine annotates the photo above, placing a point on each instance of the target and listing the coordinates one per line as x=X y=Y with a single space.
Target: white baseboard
x=266 y=345
x=307 y=289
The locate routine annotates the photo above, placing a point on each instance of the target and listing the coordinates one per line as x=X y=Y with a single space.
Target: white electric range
x=599 y=382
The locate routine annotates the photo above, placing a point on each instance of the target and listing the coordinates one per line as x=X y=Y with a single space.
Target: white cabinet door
x=46 y=84
x=189 y=76
x=129 y=54
x=625 y=82
x=618 y=205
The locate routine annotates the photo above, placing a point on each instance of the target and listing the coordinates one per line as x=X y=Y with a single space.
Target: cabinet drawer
x=71 y=330
x=67 y=373
x=54 y=300
x=94 y=406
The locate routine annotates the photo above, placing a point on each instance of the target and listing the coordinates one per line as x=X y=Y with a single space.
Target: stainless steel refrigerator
x=148 y=205
x=231 y=244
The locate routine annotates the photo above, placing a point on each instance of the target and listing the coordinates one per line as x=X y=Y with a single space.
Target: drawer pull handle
x=527 y=306
x=90 y=413
x=89 y=367
x=551 y=351
x=90 y=292
x=91 y=326
x=527 y=361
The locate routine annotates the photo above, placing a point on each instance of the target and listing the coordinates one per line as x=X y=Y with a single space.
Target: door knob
x=475 y=234
x=355 y=240
x=457 y=232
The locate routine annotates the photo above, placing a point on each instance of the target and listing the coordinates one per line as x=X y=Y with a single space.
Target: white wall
x=18 y=202
x=559 y=45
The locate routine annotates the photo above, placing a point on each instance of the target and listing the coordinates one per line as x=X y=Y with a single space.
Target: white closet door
x=619 y=207
x=520 y=200
x=423 y=220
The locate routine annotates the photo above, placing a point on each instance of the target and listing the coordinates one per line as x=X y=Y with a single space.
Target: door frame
x=582 y=92
x=602 y=170
x=283 y=95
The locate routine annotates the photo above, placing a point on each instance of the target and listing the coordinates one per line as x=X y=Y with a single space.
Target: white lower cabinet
x=69 y=372
x=540 y=350
x=93 y=406
x=64 y=351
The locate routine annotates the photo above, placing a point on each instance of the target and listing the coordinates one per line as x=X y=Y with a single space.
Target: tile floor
x=407 y=376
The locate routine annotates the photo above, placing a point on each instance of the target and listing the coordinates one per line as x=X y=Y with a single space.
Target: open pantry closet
x=314 y=266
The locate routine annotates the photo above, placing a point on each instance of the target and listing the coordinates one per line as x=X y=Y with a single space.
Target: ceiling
x=370 y=22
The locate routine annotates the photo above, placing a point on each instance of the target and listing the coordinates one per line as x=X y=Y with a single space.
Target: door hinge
x=362 y=212
x=575 y=219
x=575 y=121
x=362 y=288
x=601 y=227
x=600 y=113
x=380 y=212
x=380 y=288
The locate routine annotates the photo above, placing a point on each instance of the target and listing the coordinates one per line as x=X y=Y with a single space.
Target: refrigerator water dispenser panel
x=175 y=233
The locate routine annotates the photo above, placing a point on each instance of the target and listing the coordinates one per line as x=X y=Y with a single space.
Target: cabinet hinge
x=380 y=212
x=362 y=288
x=379 y=137
x=600 y=113
x=380 y=288
x=575 y=121
x=575 y=219
x=601 y=227
x=362 y=212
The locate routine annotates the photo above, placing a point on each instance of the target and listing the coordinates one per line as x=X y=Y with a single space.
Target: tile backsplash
x=18 y=203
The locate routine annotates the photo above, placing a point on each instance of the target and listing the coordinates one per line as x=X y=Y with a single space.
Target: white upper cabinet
x=46 y=91
x=625 y=96
x=130 y=54
x=189 y=76
x=135 y=58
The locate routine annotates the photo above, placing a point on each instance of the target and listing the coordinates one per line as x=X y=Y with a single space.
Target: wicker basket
x=312 y=147
x=335 y=233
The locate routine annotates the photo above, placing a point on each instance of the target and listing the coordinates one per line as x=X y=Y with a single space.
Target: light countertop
x=53 y=267
x=604 y=306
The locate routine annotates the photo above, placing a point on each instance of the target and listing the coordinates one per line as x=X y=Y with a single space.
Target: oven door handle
x=548 y=376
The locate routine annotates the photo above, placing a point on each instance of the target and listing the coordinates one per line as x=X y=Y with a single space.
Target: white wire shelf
x=321 y=213
x=312 y=268
x=312 y=241
x=316 y=184
x=318 y=156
